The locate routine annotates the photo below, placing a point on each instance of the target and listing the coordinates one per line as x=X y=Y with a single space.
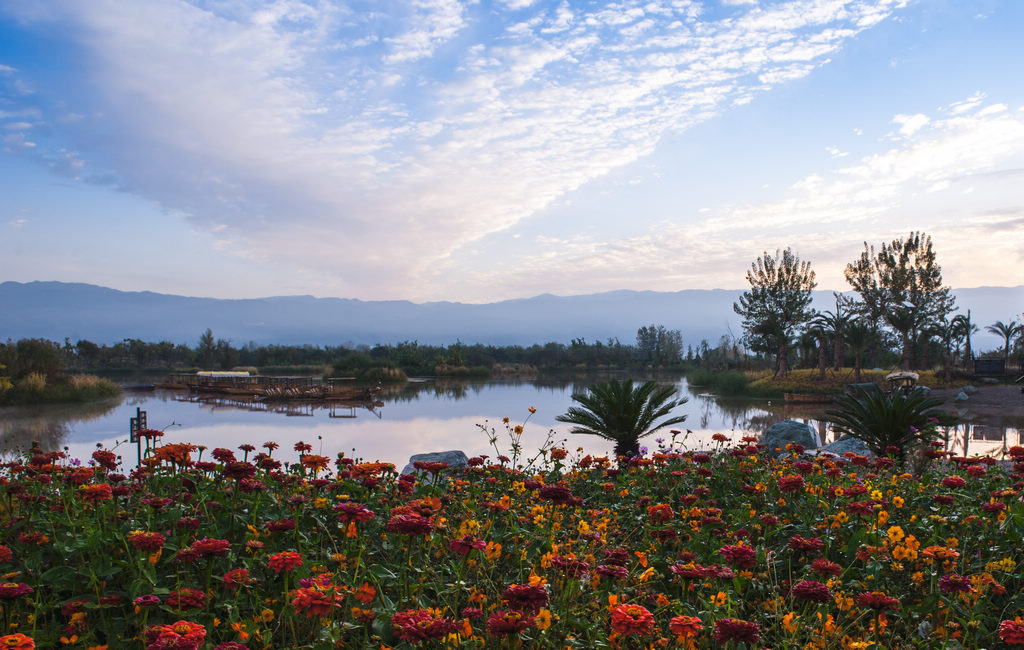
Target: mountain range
x=59 y=310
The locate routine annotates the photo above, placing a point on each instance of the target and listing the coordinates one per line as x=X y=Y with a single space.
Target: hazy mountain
x=55 y=310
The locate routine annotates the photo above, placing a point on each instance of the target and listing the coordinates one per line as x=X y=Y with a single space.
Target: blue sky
x=479 y=151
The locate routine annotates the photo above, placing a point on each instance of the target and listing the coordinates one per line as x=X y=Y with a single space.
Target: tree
x=624 y=413
x=659 y=344
x=964 y=328
x=779 y=302
x=902 y=286
x=859 y=336
x=1007 y=331
x=833 y=323
x=206 y=353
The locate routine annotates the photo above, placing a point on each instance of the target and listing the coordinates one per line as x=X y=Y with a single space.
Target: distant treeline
x=656 y=347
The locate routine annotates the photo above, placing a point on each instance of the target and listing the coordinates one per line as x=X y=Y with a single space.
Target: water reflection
x=416 y=417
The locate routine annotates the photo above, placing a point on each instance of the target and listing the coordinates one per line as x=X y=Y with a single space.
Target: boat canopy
x=222 y=373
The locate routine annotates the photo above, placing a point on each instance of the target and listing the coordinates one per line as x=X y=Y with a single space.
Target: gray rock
x=843 y=445
x=960 y=397
x=780 y=434
x=454 y=458
x=970 y=390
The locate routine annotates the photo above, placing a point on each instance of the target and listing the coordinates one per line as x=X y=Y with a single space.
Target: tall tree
x=901 y=285
x=964 y=328
x=1007 y=331
x=778 y=303
x=834 y=323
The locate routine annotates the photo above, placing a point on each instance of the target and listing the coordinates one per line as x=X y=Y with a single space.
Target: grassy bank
x=803 y=380
x=35 y=389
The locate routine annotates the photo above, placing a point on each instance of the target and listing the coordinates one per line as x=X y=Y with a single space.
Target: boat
x=242 y=385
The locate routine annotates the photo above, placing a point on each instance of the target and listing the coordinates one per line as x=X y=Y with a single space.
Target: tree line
x=898 y=303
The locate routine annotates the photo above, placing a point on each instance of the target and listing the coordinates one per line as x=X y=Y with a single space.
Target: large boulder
x=454 y=458
x=780 y=434
x=843 y=445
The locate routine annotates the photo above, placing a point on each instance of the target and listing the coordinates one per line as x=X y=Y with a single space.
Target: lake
x=421 y=416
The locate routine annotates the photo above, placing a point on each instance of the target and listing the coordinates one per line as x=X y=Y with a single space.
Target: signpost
x=137 y=423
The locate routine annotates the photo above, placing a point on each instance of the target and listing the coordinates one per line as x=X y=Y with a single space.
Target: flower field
x=229 y=549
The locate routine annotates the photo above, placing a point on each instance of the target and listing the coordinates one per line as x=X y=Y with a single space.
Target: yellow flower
x=898 y=502
x=883 y=517
x=267 y=615
x=719 y=599
x=896 y=533
x=543 y=619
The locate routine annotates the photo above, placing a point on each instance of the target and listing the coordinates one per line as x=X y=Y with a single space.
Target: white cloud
x=377 y=161
x=910 y=124
x=956 y=177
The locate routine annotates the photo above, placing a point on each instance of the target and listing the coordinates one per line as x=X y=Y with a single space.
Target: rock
x=454 y=458
x=843 y=445
x=780 y=434
x=960 y=397
x=970 y=390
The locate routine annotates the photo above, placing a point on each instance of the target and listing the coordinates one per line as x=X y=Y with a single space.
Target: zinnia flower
x=11 y=590
x=182 y=635
x=954 y=583
x=207 y=546
x=877 y=600
x=421 y=625
x=284 y=561
x=315 y=602
x=1012 y=632
x=17 y=641
x=525 y=597
x=186 y=598
x=741 y=556
x=632 y=620
x=812 y=590
x=507 y=622
x=733 y=629
x=685 y=626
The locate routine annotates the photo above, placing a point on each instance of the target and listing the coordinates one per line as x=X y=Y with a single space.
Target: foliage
x=677 y=549
x=899 y=420
x=778 y=302
x=1007 y=331
x=659 y=345
x=901 y=285
x=623 y=412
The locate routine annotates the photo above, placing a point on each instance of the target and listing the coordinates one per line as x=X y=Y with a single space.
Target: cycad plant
x=887 y=423
x=623 y=412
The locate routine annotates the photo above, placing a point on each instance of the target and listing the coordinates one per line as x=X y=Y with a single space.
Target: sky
x=487 y=150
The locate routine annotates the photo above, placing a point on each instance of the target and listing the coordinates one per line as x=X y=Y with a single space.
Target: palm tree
x=1007 y=331
x=834 y=323
x=624 y=413
x=859 y=335
x=964 y=329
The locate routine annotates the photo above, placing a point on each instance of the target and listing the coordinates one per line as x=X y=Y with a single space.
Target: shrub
x=887 y=421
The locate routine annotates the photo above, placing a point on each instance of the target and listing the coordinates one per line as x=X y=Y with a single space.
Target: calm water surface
x=421 y=416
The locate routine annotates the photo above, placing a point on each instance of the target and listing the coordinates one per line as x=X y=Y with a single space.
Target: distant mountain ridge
x=59 y=310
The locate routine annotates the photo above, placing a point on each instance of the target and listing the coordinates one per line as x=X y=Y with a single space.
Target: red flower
x=632 y=619
x=741 y=556
x=410 y=524
x=685 y=626
x=223 y=455
x=284 y=561
x=186 y=598
x=6 y=555
x=105 y=458
x=315 y=602
x=17 y=641
x=877 y=600
x=182 y=635
x=824 y=567
x=812 y=590
x=954 y=481
x=11 y=590
x=465 y=544
x=1012 y=632
x=733 y=629
x=236 y=578
x=351 y=511
x=505 y=622
x=421 y=625
x=95 y=492
x=525 y=597
x=207 y=546
x=660 y=513
x=280 y=526
x=954 y=583
x=812 y=546
x=791 y=483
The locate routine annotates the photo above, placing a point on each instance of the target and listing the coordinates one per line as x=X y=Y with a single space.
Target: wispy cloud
x=957 y=176
x=373 y=142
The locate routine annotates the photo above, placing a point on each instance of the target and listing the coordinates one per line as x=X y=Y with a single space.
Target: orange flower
x=284 y=561
x=365 y=593
x=17 y=641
